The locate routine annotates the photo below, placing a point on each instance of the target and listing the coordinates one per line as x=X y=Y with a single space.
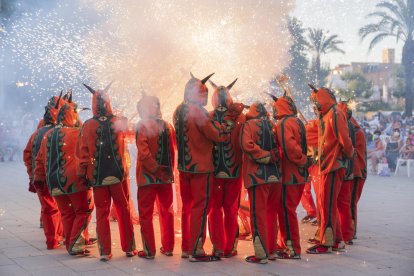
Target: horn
x=70 y=97
x=89 y=88
x=284 y=94
x=273 y=96
x=312 y=87
x=66 y=96
x=58 y=101
x=246 y=106
x=84 y=108
x=231 y=84
x=213 y=84
x=192 y=76
x=203 y=81
x=108 y=86
x=340 y=99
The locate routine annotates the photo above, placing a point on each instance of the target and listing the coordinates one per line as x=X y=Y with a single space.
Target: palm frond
x=395 y=9
x=378 y=38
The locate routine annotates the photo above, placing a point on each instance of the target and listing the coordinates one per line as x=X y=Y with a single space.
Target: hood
x=221 y=95
x=324 y=99
x=343 y=105
x=196 y=91
x=68 y=115
x=52 y=109
x=149 y=107
x=257 y=110
x=284 y=106
x=101 y=104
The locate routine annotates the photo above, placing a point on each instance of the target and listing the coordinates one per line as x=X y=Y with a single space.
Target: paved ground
x=385 y=244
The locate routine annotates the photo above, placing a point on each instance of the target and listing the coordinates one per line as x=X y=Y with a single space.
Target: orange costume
x=56 y=165
x=101 y=160
x=345 y=194
x=195 y=135
x=307 y=199
x=155 y=139
x=291 y=138
x=50 y=215
x=334 y=146
x=261 y=176
x=227 y=181
x=360 y=171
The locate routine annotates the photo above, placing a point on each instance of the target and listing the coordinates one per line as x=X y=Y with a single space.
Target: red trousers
x=307 y=200
x=357 y=187
x=263 y=197
x=195 y=192
x=329 y=188
x=288 y=220
x=162 y=194
x=344 y=209
x=91 y=204
x=222 y=219
x=51 y=218
x=119 y=193
x=75 y=215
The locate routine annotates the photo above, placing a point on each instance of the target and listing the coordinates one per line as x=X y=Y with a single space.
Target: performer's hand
x=39 y=185
x=32 y=187
x=228 y=125
x=274 y=155
x=235 y=109
x=163 y=173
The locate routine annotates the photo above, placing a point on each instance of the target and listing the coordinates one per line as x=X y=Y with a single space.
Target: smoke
x=146 y=45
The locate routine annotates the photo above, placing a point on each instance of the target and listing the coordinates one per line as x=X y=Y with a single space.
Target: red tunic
x=291 y=137
x=155 y=139
x=333 y=135
x=101 y=147
x=257 y=141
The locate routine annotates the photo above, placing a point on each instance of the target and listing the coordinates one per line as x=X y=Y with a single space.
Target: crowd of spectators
x=389 y=137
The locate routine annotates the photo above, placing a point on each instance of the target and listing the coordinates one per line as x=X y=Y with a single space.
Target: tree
x=357 y=85
x=320 y=43
x=298 y=68
x=395 y=19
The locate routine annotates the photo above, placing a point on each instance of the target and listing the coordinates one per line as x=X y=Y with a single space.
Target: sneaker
x=229 y=255
x=203 y=258
x=185 y=255
x=144 y=255
x=272 y=256
x=91 y=241
x=307 y=219
x=132 y=253
x=284 y=255
x=319 y=249
x=166 y=253
x=254 y=260
x=338 y=246
x=315 y=222
x=350 y=242
x=51 y=247
x=105 y=258
x=313 y=241
x=80 y=253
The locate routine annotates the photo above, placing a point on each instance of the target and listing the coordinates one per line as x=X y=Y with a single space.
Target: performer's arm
x=40 y=168
x=292 y=151
x=27 y=155
x=341 y=131
x=82 y=154
x=250 y=148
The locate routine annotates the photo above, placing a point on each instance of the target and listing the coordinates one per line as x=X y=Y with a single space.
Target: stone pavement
x=385 y=244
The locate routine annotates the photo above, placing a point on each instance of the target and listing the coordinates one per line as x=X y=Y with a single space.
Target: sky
x=344 y=17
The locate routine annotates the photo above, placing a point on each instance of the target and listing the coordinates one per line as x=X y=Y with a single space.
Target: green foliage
x=357 y=85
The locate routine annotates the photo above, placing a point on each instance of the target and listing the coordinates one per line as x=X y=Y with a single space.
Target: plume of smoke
x=150 y=44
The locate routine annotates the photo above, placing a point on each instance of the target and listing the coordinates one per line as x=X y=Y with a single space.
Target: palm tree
x=395 y=19
x=319 y=43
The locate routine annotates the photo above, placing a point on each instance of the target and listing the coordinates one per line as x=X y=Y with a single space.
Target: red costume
x=56 y=165
x=101 y=160
x=334 y=146
x=50 y=215
x=227 y=181
x=261 y=176
x=291 y=138
x=360 y=171
x=155 y=165
x=195 y=135
x=345 y=194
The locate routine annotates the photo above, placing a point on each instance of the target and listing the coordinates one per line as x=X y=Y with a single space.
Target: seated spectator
x=375 y=150
x=407 y=151
x=392 y=149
